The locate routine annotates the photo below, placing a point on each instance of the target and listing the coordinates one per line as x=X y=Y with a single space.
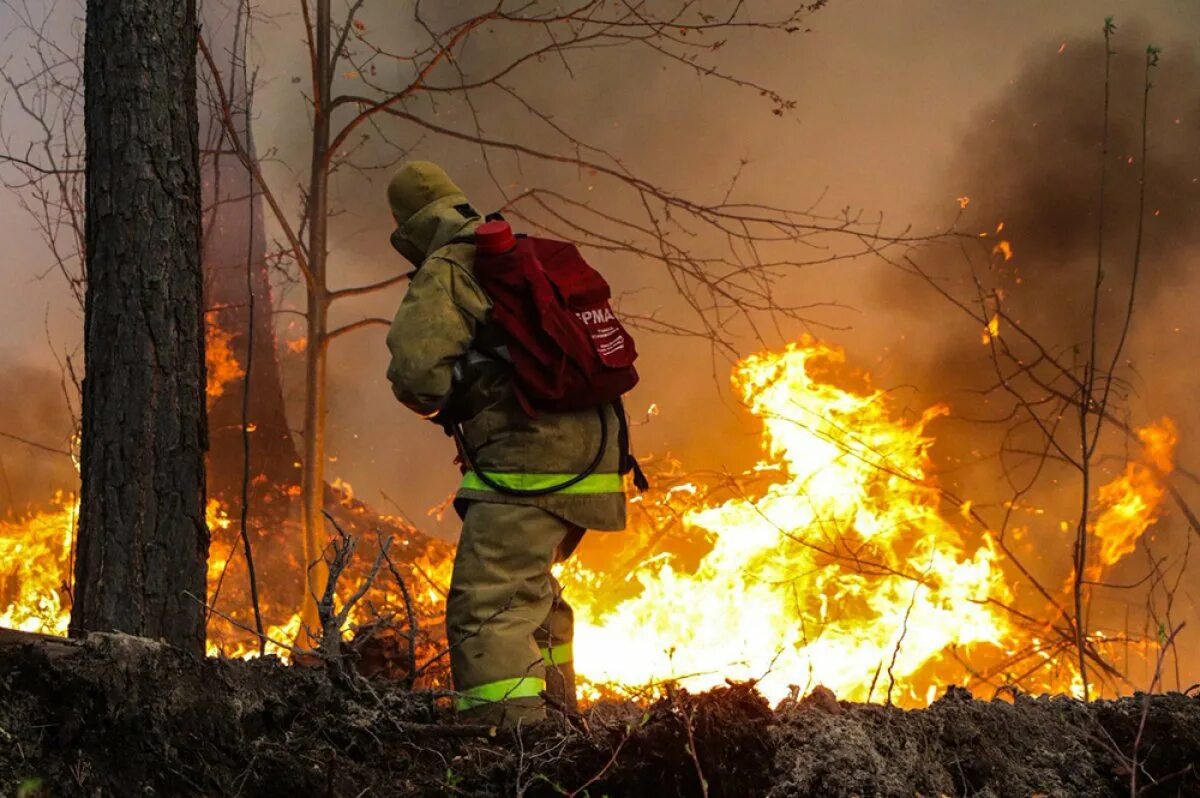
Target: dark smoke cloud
x=1034 y=162
x=1031 y=159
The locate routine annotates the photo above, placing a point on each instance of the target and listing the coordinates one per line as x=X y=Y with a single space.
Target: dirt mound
x=122 y=716
x=960 y=746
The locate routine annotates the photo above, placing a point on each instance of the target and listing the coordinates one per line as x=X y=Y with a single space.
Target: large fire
x=836 y=560
x=843 y=572
x=849 y=569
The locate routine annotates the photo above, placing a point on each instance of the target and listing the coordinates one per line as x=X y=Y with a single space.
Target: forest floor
x=119 y=716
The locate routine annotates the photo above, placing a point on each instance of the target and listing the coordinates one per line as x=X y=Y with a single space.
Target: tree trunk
x=143 y=541
x=234 y=234
x=273 y=457
x=313 y=483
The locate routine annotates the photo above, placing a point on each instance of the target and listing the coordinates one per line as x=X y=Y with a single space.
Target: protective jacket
x=448 y=365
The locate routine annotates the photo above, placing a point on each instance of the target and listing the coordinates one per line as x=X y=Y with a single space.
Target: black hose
x=469 y=461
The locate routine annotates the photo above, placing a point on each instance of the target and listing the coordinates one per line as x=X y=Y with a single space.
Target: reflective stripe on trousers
x=503 y=690
x=589 y=485
x=558 y=655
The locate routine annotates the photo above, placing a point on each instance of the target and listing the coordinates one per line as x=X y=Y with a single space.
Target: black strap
x=629 y=463
x=469 y=462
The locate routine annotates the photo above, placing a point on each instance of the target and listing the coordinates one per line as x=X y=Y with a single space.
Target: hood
x=434 y=226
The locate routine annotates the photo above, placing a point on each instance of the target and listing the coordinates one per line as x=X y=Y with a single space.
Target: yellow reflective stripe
x=558 y=655
x=494 y=692
x=593 y=483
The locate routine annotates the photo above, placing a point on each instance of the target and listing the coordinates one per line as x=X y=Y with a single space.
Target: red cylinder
x=495 y=238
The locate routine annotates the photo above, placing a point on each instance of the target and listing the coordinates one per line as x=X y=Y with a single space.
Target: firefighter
x=510 y=630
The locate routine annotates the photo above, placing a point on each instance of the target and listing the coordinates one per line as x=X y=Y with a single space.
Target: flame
x=222 y=366
x=836 y=559
x=34 y=583
x=1132 y=502
x=992 y=330
x=36 y=563
x=37 y=551
x=426 y=572
x=843 y=572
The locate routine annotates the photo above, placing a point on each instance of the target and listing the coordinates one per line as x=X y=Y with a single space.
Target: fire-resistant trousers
x=509 y=629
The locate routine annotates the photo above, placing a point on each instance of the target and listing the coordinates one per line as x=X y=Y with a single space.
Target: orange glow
x=223 y=368
x=1132 y=502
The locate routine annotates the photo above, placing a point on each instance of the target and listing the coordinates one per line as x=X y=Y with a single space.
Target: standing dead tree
x=143 y=539
x=333 y=618
x=238 y=297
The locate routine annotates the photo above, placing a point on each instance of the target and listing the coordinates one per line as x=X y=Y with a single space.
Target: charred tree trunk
x=227 y=246
x=143 y=541
x=234 y=241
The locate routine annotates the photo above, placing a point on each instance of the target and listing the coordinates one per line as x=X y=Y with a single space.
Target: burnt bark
x=143 y=541
x=234 y=242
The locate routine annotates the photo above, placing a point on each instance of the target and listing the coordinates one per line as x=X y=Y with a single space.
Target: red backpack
x=567 y=347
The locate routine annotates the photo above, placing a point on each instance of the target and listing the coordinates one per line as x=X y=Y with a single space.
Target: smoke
x=610 y=101
x=35 y=438
x=1031 y=160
